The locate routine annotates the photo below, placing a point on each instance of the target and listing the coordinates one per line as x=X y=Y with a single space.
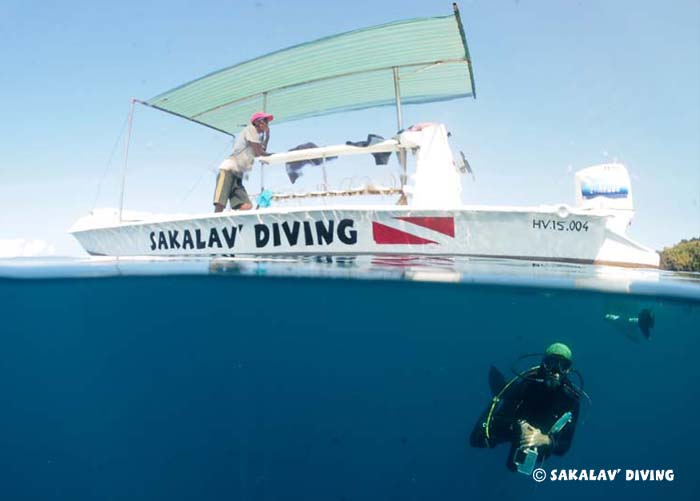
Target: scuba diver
x=632 y=325
x=536 y=411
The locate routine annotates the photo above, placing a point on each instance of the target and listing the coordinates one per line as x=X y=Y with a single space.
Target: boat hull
x=549 y=234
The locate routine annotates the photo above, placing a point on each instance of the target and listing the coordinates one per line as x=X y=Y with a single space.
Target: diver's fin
x=496 y=380
x=646 y=322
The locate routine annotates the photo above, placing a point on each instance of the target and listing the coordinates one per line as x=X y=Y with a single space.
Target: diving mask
x=556 y=364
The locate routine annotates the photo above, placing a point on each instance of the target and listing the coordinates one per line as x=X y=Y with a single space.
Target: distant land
x=684 y=256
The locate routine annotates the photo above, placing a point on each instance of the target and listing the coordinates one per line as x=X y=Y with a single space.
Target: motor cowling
x=606 y=186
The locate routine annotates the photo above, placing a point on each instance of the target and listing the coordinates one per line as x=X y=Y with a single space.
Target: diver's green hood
x=559 y=349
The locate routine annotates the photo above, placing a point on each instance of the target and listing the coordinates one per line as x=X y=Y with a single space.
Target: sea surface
x=337 y=379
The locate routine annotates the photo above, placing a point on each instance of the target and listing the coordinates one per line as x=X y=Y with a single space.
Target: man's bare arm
x=259 y=150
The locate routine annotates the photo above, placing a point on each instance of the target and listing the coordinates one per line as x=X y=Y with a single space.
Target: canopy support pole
x=126 y=158
x=325 y=174
x=399 y=123
x=262 y=166
x=397 y=93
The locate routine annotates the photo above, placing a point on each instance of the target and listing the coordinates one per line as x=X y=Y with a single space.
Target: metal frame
x=265 y=94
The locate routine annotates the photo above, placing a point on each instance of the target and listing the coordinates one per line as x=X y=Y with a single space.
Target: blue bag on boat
x=264 y=199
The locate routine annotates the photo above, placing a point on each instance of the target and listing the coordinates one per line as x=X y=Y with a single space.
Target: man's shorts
x=229 y=188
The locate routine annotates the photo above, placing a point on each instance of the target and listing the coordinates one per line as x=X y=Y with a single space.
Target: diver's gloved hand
x=531 y=436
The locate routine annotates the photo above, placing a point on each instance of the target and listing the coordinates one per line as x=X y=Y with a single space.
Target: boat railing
x=367 y=190
x=327 y=152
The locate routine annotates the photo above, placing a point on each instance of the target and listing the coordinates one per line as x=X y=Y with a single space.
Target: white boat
x=412 y=61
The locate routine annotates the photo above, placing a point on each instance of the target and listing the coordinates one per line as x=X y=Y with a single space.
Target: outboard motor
x=606 y=186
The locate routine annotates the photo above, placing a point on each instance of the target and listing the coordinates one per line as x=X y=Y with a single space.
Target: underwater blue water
x=329 y=379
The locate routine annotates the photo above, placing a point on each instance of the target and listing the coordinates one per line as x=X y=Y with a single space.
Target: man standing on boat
x=250 y=143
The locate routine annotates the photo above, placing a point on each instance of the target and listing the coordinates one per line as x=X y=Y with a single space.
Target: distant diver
x=536 y=411
x=642 y=323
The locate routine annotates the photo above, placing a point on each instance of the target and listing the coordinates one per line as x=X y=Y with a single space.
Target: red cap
x=260 y=115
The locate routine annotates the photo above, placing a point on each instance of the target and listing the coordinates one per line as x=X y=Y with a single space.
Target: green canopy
x=350 y=71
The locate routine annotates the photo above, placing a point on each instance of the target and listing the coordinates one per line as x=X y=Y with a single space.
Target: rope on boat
x=109 y=162
x=212 y=167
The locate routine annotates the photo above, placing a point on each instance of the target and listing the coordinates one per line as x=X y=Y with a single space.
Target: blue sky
x=561 y=85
